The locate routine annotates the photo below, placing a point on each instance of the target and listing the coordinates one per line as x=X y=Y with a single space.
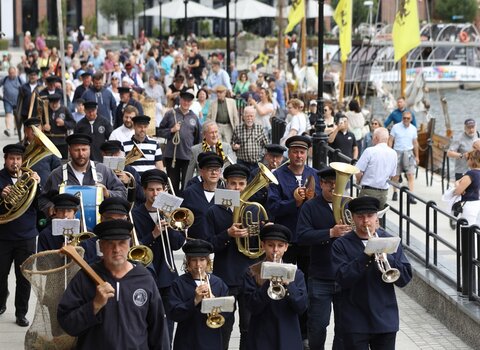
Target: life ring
x=463 y=36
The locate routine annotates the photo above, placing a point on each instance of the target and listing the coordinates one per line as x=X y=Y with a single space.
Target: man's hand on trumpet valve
x=201 y=292
x=236 y=231
x=299 y=195
x=339 y=230
x=104 y=292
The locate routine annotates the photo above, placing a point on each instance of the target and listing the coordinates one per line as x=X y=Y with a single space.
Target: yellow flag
x=296 y=14
x=406 y=30
x=343 y=18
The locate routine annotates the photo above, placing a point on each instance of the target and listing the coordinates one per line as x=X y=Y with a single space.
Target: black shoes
x=3 y=308
x=395 y=196
x=22 y=321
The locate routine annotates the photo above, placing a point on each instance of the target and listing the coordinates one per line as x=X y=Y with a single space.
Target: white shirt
x=122 y=134
x=378 y=164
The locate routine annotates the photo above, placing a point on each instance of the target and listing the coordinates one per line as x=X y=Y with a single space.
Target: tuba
x=389 y=274
x=343 y=173
x=138 y=252
x=23 y=191
x=262 y=179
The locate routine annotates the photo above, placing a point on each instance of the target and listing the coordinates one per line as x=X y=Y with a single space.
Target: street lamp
x=185 y=29
x=133 y=16
x=160 y=23
x=319 y=137
x=228 y=35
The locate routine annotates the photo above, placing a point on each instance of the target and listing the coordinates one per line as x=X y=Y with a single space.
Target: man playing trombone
x=369 y=310
x=153 y=231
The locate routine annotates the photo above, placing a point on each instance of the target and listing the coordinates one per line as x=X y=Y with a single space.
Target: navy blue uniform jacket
x=230 y=264
x=118 y=121
x=195 y=200
x=369 y=305
x=144 y=225
x=313 y=230
x=274 y=323
x=100 y=132
x=46 y=241
x=281 y=204
x=133 y=319
x=24 y=227
x=192 y=331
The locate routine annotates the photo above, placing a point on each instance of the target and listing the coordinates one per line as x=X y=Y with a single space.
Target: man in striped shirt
x=149 y=147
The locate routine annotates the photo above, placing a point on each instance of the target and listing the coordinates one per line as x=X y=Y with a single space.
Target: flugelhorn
x=262 y=179
x=276 y=290
x=389 y=274
x=214 y=319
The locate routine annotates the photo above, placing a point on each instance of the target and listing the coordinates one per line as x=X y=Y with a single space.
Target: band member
x=317 y=230
x=46 y=165
x=60 y=121
x=65 y=206
x=369 y=311
x=186 y=295
x=181 y=128
x=126 y=99
x=272 y=159
x=86 y=78
x=199 y=196
x=81 y=171
x=149 y=147
x=25 y=95
x=150 y=229
x=113 y=208
x=97 y=126
x=17 y=241
x=135 y=193
x=51 y=88
x=125 y=311
x=230 y=264
x=274 y=323
x=286 y=198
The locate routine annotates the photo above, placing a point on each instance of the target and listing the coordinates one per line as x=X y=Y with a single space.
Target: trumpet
x=389 y=274
x=276 y=290
x=214 y=319
x=77 y=238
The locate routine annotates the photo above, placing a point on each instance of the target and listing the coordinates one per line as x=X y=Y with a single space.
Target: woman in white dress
x=297 y=123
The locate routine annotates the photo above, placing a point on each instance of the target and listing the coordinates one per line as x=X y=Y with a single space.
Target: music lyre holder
x=217 y=304
x=285 y=272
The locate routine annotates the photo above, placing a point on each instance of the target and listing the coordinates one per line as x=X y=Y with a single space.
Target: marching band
x=287 y=215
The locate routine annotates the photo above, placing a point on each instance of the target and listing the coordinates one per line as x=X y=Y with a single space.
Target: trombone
x=138 y=252
x=389 y=274
x=214 y=319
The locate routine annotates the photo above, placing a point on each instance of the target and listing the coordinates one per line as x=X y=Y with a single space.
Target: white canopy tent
x=176 y=10
x=248 y=9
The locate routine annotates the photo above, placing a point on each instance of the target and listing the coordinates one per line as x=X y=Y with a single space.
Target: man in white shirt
x=125 y=132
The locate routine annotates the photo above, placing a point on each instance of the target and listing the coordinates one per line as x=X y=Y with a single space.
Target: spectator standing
x=217 y=77
x=224 y=112
x=461 y=145
x=11 y=88
x=343 y=140
x=396 y=115
x=264 y=110
x=297 y=124
x=469 y=188
x=356 y=122
x=105 y=101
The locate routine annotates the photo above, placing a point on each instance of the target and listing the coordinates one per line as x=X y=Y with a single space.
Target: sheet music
x=166 y=202
x=61 y=227
x=227 y=198
x=378 y=245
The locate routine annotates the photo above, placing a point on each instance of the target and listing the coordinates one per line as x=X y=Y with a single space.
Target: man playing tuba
x=17 y=237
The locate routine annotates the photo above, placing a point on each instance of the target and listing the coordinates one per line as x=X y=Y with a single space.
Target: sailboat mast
x=61 y=40
x=304 y=36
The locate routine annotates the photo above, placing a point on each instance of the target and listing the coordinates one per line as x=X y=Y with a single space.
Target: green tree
x=360 y=11
x=446 y=9
x=119 y=10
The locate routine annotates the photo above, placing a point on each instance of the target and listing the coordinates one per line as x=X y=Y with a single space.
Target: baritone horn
x=389 y=274
x=262 y=179
x=343 y=172
x=22 y=193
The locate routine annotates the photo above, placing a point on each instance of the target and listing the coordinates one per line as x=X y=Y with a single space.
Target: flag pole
x=403 y=75
x=304 y=37
x=341 y=91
